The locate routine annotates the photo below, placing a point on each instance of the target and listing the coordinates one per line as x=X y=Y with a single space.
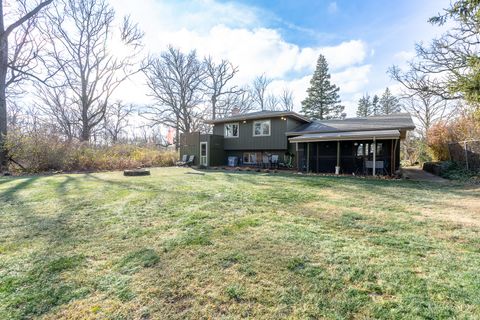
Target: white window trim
x=269 y=128
x=250 y=153
x=224 y=130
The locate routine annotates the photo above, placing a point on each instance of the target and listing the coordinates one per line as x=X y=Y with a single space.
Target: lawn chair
x=183 y=161
x=190 y=161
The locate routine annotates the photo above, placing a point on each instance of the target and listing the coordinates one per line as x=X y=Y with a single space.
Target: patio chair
x=190 y=161
x=183 y=161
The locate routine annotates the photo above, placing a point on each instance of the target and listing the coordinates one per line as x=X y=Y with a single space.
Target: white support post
x=337 y=168
x=374 y=156
x=308 y=157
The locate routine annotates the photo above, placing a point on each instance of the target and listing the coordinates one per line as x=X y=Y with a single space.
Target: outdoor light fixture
x=244 y=121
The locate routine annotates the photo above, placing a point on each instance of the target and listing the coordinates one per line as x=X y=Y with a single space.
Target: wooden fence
x=466 y=154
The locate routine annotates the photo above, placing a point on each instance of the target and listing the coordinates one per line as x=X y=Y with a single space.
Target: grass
x=237 y=245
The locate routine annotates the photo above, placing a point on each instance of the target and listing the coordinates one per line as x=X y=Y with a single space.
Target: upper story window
x=261 y=128
x=231 y=130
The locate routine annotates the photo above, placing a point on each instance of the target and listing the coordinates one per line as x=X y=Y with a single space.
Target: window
x=379 y=149
x=360 y=150
x=261 y=128
x=251 y=157
x=231 y=130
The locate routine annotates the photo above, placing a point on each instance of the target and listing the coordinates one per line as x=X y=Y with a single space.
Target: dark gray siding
x=190 y=145
x=293 y=124
x=246 y=141
x=216 y=153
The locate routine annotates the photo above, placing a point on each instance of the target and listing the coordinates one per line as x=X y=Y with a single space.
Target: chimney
x=235 y=111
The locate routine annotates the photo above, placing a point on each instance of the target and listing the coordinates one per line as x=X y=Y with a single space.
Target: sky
x=282 y=39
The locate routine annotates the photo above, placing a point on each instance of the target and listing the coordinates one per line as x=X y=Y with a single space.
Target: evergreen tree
x=323 y=100
x=364 y=106
x=375 y=105
x=389 y=103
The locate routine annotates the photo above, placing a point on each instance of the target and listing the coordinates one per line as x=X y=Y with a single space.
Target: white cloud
x=333 y=7
x=237 y=32
x=353 y=79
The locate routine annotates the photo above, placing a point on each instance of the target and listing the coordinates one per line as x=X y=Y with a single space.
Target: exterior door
x=203 y=154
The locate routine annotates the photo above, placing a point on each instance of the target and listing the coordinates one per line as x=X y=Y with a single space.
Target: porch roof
x=348 y=135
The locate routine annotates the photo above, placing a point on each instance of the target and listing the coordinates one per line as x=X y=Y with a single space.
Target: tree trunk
x=177 y=137
x=214 y=107
x=85 y=134
x=3 y=100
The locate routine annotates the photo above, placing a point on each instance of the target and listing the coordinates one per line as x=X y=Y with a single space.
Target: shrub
x=439 y=136
x=465 y=127
x=42 y=152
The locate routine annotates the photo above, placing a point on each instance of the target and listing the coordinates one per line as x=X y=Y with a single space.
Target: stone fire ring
x=136 y=173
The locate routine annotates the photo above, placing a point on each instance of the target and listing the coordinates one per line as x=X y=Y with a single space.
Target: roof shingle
x=382 y=122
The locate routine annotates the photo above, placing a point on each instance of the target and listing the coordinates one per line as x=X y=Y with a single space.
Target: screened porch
x=360 y=153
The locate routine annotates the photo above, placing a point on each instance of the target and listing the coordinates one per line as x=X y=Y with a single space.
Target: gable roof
x=260 y=115
x=382 y=122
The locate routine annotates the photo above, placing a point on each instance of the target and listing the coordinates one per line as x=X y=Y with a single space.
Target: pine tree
x=375 y=105
x=364 y=106
x=389 y=103
x=323 y=100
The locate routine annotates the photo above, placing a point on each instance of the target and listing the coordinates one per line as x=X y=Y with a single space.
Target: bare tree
x=216 y=80
x=452 y=59
x=14 y=115
x=241 y=101
x=81 y=33
x=259 y=89
x=58 y=110
x=286 y=100
x=272 y=103
x=420 y=100
x=175 y=81
x=17 y=62
x=116 y=119
x=428 y=110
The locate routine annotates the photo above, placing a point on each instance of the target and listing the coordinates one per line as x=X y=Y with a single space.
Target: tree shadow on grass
x=9 y=193
x=32 y=282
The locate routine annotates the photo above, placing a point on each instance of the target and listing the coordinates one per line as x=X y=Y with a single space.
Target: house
x=352 y=145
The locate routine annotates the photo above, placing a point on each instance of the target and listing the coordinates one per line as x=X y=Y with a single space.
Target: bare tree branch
x=80 y=33
x=175 y=81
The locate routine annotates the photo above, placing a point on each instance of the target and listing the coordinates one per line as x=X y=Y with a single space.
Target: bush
x=465 y=127
x=453 y=171
x=439 y=136
x=41 y=152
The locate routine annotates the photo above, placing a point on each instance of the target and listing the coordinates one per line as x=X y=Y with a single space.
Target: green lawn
x=237 y=245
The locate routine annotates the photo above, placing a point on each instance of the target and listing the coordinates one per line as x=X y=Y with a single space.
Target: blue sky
x=282 y=39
